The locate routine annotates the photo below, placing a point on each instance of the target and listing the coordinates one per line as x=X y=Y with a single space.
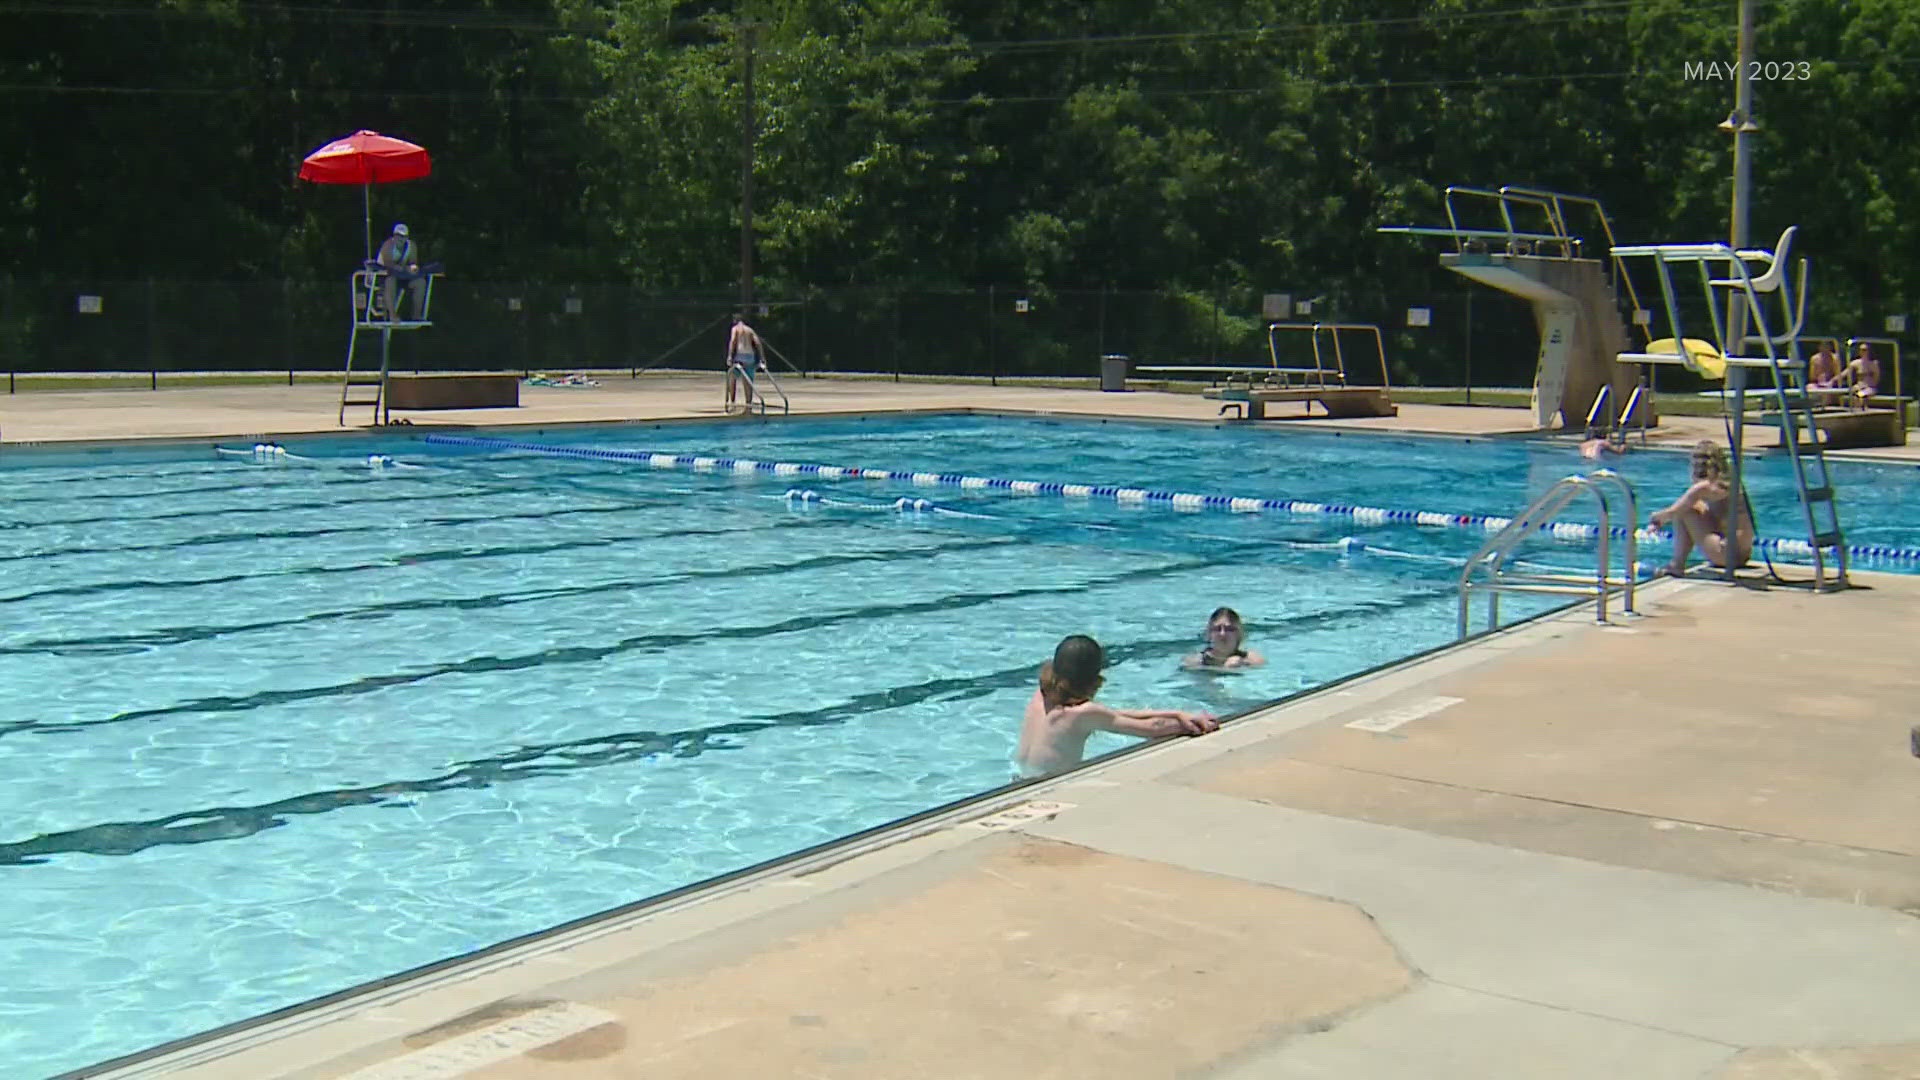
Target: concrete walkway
x=312 y=408
x=1685 y=845
x=1560 y=853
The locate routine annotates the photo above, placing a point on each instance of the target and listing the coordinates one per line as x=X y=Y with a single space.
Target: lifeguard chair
x=1748 y=339
x=366 y=287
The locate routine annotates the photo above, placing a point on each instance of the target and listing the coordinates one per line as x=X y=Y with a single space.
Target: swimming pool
x=281 y=726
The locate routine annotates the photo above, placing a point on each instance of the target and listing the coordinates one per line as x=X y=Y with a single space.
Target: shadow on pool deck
x=1684 y=845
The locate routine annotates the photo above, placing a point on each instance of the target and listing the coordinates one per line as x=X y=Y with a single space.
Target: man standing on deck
x=743 y=359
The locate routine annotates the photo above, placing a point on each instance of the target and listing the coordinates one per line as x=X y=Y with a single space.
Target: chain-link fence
x=165 y=326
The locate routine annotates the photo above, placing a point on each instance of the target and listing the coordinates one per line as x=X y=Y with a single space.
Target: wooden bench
x=453 y=391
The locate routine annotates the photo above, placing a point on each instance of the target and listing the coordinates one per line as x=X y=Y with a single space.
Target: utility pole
x=746 y=171
x=1743 y=130
x=1741 y=124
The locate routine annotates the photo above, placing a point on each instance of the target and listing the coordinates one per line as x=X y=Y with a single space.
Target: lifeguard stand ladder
x=1725 y=272
x=364 y=293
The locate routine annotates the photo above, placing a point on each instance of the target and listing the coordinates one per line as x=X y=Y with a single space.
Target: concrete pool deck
x=1683 y=845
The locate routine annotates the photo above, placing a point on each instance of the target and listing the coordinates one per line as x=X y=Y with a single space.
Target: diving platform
x=1576 y=309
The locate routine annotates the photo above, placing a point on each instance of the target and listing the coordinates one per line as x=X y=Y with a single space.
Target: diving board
x=1253 y=386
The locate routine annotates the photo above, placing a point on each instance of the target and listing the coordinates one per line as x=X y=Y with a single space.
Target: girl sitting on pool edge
x=1062 y=713
x=1698 y=517
x=1226 y=644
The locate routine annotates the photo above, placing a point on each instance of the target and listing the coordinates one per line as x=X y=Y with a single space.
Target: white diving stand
x=365 y=287
x=1576 y=310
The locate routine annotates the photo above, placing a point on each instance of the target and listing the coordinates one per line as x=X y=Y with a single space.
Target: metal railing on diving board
x=1320 y=370
x=1539 y=515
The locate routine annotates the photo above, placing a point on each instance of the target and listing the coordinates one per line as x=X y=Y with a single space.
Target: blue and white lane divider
x=262 y=453
x=1131 y=496
x=275 y=454
x=808 y=496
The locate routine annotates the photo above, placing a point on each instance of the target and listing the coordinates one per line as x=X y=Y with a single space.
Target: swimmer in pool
x=1226 y=644
x=1611 y=443
x=1062 y=713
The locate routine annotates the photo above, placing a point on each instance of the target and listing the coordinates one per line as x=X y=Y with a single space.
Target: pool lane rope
x=275 y=454
x=1132 y=496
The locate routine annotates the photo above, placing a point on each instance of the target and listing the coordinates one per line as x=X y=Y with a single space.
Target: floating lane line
x=1132 y=496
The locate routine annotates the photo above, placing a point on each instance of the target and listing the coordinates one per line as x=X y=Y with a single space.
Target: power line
x=472 y=18
x=1556 y=13
x=487 y=18
x=1280 y=84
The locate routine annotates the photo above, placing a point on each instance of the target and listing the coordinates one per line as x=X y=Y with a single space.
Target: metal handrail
x=1595 y=417
x=1634 y=410
x=760 y=396
x=1539 y=514
x=1606 y=228
x=1505 y=202
x=1332 y=330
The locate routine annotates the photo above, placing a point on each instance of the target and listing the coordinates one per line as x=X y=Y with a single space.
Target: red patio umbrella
x=366 y=158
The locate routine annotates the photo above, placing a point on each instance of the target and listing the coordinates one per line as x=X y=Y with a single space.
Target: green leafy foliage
x=1210 y=150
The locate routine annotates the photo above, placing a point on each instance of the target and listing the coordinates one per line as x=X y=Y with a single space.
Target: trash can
x=1113 y=372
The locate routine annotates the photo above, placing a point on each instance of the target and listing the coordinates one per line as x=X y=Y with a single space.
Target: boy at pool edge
x=1062 y=713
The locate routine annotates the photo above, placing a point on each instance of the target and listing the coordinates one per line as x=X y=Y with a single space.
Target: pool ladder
x=760 y=395
x=1605 y=485
x=1603 y=423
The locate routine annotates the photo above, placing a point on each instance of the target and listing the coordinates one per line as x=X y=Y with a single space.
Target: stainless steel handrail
x=1559 y=215
x=1537 y=516
x=1332 y=330
x=760 y=396
x=1597 y=419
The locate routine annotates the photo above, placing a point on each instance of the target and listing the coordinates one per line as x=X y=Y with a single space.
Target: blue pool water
x=278 y=727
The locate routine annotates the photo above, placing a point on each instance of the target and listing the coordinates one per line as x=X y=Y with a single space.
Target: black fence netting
x=170 y=326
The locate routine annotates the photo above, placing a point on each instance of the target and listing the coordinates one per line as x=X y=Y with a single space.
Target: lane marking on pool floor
x=490 y=1045
x=1393 y=718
